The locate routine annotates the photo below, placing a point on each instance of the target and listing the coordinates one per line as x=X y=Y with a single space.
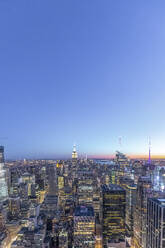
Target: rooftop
x=160 y=201
x=84 y=211
x=112 y=187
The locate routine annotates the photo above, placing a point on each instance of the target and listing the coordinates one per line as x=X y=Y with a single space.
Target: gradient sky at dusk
x=82 y=71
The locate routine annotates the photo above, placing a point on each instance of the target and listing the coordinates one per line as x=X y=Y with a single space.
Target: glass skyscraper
x=155 y=223
x=3 y=184
x=113 y=207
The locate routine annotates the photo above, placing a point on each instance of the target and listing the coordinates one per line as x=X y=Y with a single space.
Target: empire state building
x=74 y=153
x=3 y=184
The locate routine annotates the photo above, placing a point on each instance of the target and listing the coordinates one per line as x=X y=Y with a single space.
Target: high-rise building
x=63 y=239
x=130 y=206
x=3 y=183
x=14 y=207
x=74 y=162
x=155 y=223
x=113 y=208
x=144 y=191
x=2 y=219
x=74 y=153
x=84 y=227
x=130 y=188
x=85 y=187
x=13 y=182
x=52 y=179
x=122 y=161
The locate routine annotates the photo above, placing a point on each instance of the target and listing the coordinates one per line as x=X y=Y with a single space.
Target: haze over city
x=84 y=72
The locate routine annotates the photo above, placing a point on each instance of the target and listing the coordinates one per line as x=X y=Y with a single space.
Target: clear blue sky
x=82 y=71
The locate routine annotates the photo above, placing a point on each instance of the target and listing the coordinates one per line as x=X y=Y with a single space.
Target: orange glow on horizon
x=131 y=156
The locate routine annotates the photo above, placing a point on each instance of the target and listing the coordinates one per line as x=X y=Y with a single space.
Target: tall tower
x=149 y=157
x=144 y=191
x=74 y=153
x=3 y=183
x=84 y=227
x=155 y=222
x=52 y=178
x=113 y=207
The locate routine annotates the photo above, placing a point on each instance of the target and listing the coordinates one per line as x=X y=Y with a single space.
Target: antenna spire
x=149 y=158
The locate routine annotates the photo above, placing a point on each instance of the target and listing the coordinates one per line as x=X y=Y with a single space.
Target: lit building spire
x=74 y=153
x=149 y=158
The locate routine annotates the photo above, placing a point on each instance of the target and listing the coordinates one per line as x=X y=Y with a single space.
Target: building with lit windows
x=63 y=239
x=130 y=188
x=14 y=207
x=85 y=187
x=3 y=183
x=122 y=161
x=74 y=153
x=155 y=223
x=113 y=219
x=2 y=219
x=130 y=206
x=60 y=182
x=84 y=227
x=13 y=182
x=144 y=191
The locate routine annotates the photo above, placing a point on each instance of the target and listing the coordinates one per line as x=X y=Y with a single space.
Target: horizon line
x=100 y=156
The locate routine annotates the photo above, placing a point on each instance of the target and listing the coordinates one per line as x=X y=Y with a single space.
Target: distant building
x=113 y=208
x=74 y=153
x=13 y=182
x=52 y=180
x=121 y=161
x=3 y=183
x=85 y=187
x=14 y=207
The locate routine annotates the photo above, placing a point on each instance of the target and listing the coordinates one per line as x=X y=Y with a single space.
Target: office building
x=130 y=206
x=74 y=154
x=84 y=227
x=155 y=223
x=52 y=180
x=113 y=219
x=144 y=191
x=3 y=183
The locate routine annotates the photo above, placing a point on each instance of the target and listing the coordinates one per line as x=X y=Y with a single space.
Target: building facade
x=113 y=219
x=3 y=183
x=155 y=223
x=84 y=227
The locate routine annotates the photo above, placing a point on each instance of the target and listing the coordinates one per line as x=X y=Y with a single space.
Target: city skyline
x=82 y=157
x=84 y=72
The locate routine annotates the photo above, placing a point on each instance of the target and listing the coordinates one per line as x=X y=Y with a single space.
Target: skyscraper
x=74 y=162
x=74 y=153
x=155 y=223
x=149 y=158
x=49 y=205
x=114 y=201
x=130 y=206
x=85 y=187
x=84 y=227
x=52 y=179
x=144 y=191
x=3 y=183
